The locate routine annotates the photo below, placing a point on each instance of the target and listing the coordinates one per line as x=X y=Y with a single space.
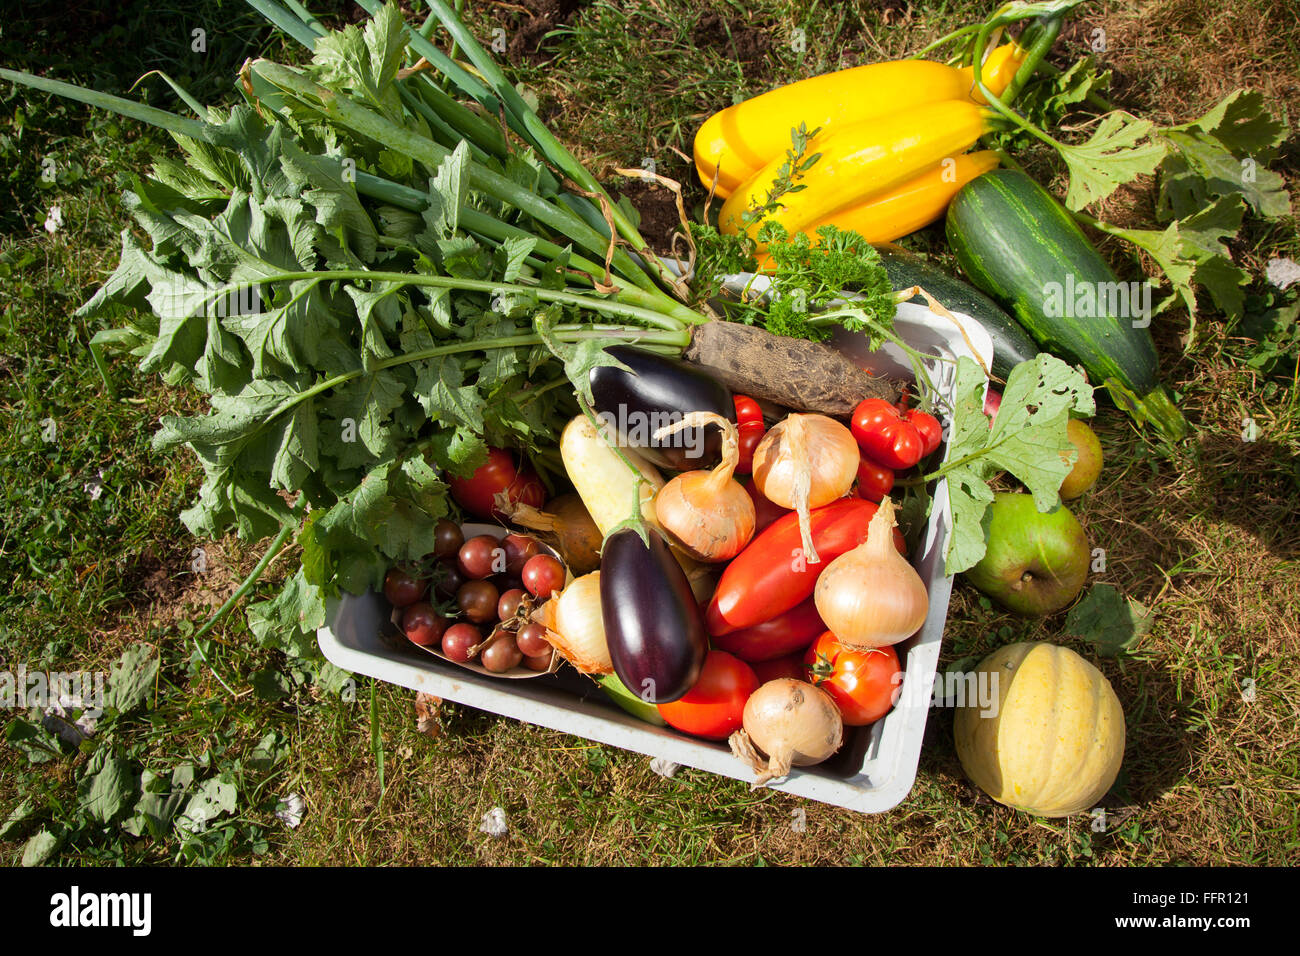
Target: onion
x=871 y=596
x=575 y=627
x=568 y=525
x=794 y=723
x=804 y=462
x=708 y=513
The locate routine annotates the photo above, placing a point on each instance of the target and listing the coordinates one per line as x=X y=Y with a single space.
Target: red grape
x=543 y=576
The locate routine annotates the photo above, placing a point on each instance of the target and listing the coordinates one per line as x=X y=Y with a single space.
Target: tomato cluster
x=891 y=438
x=482 y=584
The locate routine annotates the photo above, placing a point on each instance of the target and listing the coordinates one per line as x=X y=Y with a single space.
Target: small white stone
x=664 y=767
x=1282 y=273
x=494 y=824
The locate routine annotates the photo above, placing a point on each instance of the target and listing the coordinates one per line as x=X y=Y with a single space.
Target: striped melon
x=1052 y=738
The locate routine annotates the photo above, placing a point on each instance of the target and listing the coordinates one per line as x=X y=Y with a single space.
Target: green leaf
x=131 y=678
x=33 y=740
x=107 y=787
x=1203 y=170
x=1027 y=439
x=1109 y=620
x=18 y=816
x=40 y=848
x=160 y=798
x=1119 y=150
x=1191 y=252
x=289 y=622
x=1242 y=125
x=212 y=798
x=338 y=208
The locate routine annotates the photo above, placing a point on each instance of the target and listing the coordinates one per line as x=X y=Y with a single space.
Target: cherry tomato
x=715 y=704
x=928 y=427
x=747 y=410
x=449 y=578
x=508 y=606
x=790 y=666
x=478 y=600
x=874 y=481
x=447 y=539
x=422 y=624
x=481 y=556
x=884 y=436
x=458 y=639
x=519 y=548
x=531 y=639
x=496 y=486
x=862 y=682
x=403 y=589
x=751 y=433
x=502 y=654
x=543 y=576
x=538 y=662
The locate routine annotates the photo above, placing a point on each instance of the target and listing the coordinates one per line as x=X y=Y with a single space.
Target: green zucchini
x=1018 y=244
x=1011 y=344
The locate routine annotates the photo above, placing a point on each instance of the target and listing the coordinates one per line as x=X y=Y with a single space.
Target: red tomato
x=862 y=682
x=874 y=481
x=928 y=427
x=497 y=485
x=790 y=666
x=765 y=512
x=747 y=410
x=715 y=706
x=786 y=633
x=771 y=576
x=751 y=433
x=884 y=436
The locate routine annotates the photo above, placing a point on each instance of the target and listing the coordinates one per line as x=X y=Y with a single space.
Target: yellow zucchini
x=909 y=207
x=737 y=142
x=859 y=160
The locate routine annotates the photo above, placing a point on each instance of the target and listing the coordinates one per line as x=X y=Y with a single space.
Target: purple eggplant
x=654 y=627
x=657 y=392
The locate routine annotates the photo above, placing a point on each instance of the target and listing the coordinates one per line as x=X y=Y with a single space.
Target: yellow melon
x=1052 y=739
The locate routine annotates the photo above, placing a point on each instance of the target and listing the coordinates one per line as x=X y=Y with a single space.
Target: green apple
x=1087 y=467
x=1036 y=562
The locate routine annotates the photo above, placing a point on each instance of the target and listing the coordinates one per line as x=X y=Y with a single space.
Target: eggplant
x=655 y=630
x=657 y=392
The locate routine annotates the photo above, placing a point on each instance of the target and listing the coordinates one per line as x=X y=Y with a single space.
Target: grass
x=1202 y=532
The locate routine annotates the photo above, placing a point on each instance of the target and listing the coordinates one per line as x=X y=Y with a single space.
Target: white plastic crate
x=874 y=769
